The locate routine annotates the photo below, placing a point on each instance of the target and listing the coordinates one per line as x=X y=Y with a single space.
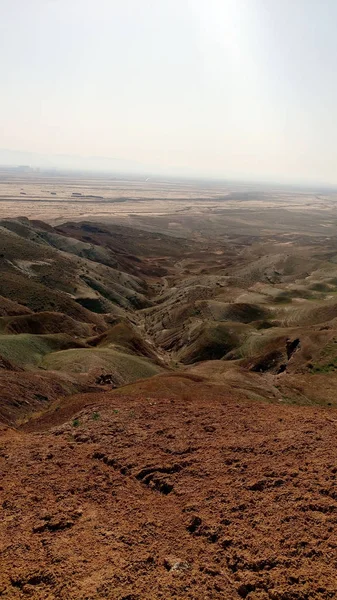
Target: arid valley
x=168 y=375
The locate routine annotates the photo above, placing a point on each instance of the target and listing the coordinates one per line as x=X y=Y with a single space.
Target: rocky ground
x=171 y=495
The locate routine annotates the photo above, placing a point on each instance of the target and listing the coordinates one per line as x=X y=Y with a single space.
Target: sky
x=243 y=89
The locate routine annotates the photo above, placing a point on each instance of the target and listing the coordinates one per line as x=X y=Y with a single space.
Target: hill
x=183 y=489
x=168 y=405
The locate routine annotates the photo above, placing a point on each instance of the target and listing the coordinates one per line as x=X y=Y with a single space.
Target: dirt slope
x=190 y=497
x=201 y=482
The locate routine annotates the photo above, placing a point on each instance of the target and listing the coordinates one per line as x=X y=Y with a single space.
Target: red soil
x=194 y=495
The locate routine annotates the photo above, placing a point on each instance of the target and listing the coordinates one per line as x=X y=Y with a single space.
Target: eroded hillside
x=167 y=408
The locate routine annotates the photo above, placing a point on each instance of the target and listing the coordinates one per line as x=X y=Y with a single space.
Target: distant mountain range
x=15 y=158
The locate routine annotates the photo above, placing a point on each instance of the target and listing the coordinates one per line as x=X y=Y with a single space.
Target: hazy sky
x=231 y=88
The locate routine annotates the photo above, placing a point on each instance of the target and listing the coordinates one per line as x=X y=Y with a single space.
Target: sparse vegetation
x=145 y=305
x=183 y=375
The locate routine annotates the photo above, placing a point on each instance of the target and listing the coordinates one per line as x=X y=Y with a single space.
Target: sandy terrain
x=61 y=197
